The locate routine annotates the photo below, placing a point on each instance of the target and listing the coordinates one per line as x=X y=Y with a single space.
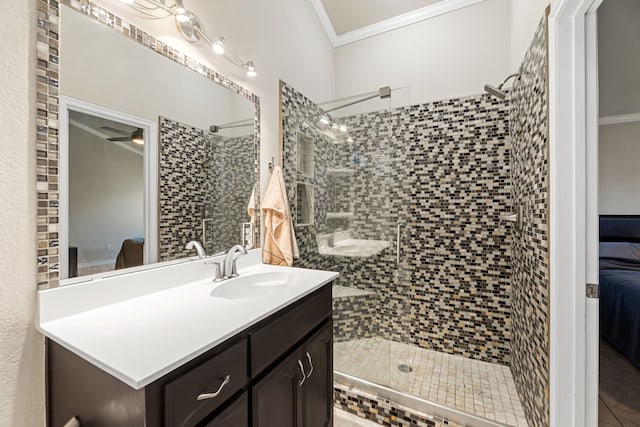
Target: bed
x=620 y=283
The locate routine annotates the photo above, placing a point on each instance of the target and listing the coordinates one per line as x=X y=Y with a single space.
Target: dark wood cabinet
x=317 y=390
x=276 y=398
x=277 y=373
x=236 y=415
x=298 y=392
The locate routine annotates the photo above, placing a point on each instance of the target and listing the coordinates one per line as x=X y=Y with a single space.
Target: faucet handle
x=217 y=275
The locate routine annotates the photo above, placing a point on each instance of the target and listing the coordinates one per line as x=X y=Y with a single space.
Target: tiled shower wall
x=530 y=259
x=202 y=176
x=234 y=178
x=441 y=172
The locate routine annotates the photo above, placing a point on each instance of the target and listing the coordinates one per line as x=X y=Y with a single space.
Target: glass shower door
x=361 y=180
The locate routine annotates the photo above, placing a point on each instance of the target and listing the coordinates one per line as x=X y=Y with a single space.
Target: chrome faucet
x=230 y=269
x=198 y=247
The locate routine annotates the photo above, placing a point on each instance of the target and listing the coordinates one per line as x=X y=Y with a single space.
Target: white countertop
x=140 y=326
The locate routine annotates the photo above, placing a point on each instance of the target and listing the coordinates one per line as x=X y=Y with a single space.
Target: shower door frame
x=573 y=144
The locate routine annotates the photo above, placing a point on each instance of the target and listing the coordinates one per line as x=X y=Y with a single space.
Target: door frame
x=573 y=130
x=150 y=210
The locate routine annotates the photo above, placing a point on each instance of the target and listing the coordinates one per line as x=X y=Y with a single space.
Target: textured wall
x=441 y=171
x=21 y=346
x=530 y=258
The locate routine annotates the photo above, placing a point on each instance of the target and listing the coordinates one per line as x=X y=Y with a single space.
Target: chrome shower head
x=498 y=92
x=495 y=91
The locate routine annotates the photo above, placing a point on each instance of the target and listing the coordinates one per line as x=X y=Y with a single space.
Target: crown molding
x=437 y=9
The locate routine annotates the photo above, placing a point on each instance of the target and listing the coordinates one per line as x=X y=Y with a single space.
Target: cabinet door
x=317 y=390
x=236 y=415
x=276 y=398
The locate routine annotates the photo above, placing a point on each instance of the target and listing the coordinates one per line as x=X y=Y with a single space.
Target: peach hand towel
x=251 y=208
x=280 y=245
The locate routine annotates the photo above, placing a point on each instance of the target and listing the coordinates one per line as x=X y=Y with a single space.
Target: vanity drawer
x=182 y=407
x=279 y=335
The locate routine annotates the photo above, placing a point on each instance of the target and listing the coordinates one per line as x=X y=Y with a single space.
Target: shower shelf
x=339 y=215
x=340 y=172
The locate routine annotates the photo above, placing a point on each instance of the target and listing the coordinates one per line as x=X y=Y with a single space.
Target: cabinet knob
x=304 y=376
x=308 y=374
x=205 y=396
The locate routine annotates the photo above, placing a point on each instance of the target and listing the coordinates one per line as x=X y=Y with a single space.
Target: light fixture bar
x=184 y=17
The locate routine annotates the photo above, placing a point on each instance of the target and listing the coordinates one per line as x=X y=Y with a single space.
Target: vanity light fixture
x=251 y=70
x=218 y=46
x=191 y=29
x=181 y=15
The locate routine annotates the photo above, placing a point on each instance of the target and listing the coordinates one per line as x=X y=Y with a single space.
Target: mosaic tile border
x=381 y=411
x=48 y=51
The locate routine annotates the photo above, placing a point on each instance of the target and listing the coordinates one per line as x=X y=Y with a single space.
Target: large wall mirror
x=154 y=151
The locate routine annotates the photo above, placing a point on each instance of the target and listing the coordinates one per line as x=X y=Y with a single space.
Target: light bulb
x=343 y=128
x=251 y=70
x=138 y=141
x=324 y=120
x=181 y=17
x=218 y=46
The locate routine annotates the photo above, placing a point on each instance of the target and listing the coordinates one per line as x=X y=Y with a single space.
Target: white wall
x=283 y=37
x=619 y=57
x=524 y=19
x=448 y=56
x=21 y=346
x=619 y=174
x=120 y=74
x=106 y=196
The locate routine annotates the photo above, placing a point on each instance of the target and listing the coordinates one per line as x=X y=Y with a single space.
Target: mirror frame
x=48 y=51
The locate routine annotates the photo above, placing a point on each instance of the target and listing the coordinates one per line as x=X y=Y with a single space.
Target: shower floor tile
x=482 y=388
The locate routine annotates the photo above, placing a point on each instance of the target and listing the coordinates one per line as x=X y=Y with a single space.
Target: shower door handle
x=398 y=237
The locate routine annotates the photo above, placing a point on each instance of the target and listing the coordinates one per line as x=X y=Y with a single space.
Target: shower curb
x=388 y=407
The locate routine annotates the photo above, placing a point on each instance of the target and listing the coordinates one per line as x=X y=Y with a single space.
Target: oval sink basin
x=252 y=285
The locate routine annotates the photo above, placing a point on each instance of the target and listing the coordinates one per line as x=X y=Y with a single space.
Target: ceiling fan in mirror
x=137 y=136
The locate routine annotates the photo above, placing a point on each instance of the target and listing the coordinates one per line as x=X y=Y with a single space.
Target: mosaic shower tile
x=530 y=260
x=440 y=172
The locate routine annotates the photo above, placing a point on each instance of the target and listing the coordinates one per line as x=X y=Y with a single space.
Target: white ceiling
x=347 y=21
x=349 y=15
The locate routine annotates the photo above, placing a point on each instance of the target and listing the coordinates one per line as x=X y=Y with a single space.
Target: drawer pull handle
x=310 y=365
x=304 y=376
x=205 y=396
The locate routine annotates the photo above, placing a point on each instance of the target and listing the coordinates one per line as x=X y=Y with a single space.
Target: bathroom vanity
x=192 y=352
